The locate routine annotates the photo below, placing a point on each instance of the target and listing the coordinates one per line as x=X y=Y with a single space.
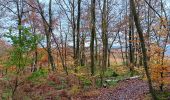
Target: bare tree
x=48 y=28
x=93 y=32
x=143 y=47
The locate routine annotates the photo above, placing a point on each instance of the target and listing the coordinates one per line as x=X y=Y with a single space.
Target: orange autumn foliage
x=43 y=57
x=157 y=69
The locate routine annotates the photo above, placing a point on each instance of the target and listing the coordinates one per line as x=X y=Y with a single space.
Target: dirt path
x=133 y=89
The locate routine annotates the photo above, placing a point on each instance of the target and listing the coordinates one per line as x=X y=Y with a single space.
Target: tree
x=143 y=47
x=104 y=35
x=131 y=42
x=78 y=33
x=93 y=32
x=19 y=55
x=48 y=28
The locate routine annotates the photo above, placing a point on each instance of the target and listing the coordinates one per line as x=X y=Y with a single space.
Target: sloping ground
x=133 y=89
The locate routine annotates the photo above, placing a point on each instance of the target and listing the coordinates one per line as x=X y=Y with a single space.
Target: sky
x=115 y=46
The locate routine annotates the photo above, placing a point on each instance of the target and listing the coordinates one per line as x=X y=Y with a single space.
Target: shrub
x=110 y=73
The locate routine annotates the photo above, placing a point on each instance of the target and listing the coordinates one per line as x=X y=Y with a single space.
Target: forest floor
x=126 y=89
x=130 y=89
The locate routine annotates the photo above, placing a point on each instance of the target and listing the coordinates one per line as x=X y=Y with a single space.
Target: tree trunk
x=93 y=32
x=131 y=41
x=78 y=34
x=144 y=52
x=74 y=34
x=104 y=37
x=82 y=51
x=50 y=57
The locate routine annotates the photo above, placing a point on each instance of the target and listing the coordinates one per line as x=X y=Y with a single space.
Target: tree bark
x=50 y=57
x=74 y=32
x=78 y=35
x=143 y=47
x=104 y=37
x=93 y=32
x=131 y=41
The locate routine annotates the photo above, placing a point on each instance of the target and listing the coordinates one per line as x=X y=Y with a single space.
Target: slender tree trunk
x=126 y=38
x=108 y=59
x=131 y=40
x=104 y=41
x=96 y=50
x=104 y=37
x=121 y=48
x=74 y=33
x=65 y=55
x=50 y=57
x=164 y=46
x=110 y=48
x=82 y=61
x=35 y=55
x=93 y=32
x=78 y=34
x=126 y=48
x=143 y=47
x=148 y=30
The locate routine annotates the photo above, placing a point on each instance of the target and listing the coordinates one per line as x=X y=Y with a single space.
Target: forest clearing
x=85 y=50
